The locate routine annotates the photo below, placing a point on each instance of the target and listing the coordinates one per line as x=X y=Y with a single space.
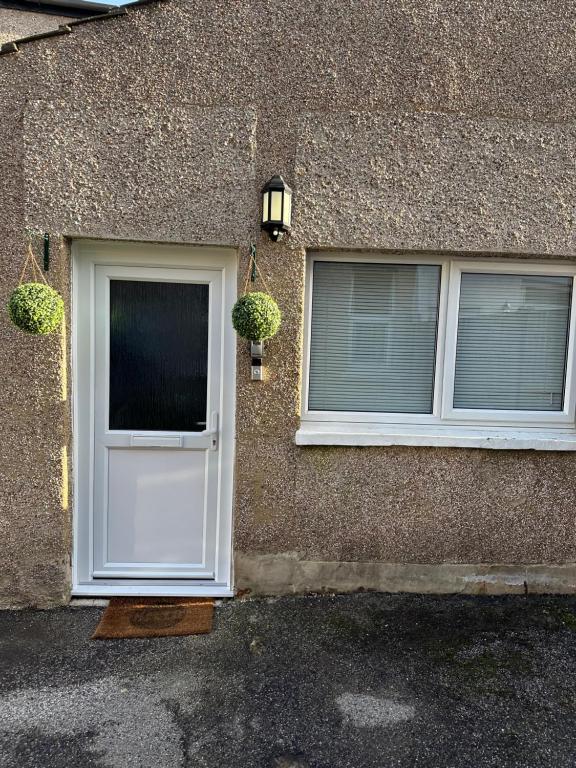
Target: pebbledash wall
x=15 y=23
x=404 y=126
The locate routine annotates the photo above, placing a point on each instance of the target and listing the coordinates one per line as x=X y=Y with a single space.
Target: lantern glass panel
x=265 y=216
x=276 y=205
x=287 y=209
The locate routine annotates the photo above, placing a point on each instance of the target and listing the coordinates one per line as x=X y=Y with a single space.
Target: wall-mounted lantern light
x=276 y=207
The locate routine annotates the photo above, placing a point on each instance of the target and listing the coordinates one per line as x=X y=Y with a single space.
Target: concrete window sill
x=357 y=434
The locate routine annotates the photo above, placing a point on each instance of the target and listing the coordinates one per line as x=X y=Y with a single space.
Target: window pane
x=373 y=339
x=512 y=342
x=158 y=355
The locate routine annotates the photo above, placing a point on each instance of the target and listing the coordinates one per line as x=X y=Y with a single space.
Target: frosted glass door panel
x=373 y=339
x=158 y=355
x=512 y=342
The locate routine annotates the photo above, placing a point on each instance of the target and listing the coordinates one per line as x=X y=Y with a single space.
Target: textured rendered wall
x=15 y=24
x=405 y=125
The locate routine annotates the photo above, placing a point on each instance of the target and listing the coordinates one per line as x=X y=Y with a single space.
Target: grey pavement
x=299 y=682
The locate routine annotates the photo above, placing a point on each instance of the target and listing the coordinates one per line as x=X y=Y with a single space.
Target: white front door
x=154 y=505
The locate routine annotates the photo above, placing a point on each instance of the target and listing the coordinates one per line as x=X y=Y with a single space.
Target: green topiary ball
x=36 y=308
x=256 y=316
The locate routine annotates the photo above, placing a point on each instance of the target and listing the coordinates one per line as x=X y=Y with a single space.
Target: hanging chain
x=31 y=261
x=253 y=271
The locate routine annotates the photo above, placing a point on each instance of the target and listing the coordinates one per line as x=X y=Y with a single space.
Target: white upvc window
x=440 y=351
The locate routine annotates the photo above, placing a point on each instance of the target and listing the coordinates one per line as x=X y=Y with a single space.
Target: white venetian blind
x=373 y=337
x=512 y=342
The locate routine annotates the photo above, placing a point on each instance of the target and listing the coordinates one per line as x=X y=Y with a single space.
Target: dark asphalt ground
x=316 y=682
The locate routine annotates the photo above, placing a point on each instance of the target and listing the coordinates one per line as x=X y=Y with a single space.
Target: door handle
x=214 y=430
x=178 y=441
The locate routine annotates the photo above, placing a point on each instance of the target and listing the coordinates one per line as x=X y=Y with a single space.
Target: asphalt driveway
x=315 y=682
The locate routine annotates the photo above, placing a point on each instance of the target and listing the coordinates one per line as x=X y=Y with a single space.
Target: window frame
x=467 y=416
x=444 y=415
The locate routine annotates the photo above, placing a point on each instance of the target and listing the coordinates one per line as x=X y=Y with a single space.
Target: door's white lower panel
x=156 y=510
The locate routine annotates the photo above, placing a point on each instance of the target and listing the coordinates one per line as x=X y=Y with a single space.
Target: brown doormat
x=155 y=617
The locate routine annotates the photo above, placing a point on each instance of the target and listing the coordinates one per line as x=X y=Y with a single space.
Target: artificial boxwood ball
x=36 y=308
x=256 y=316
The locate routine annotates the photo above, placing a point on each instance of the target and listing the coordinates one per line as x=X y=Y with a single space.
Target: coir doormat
x=127 y=617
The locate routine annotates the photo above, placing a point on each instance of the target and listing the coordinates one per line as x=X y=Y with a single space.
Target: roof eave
x=13 y=46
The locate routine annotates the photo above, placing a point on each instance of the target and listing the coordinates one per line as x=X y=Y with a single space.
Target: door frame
x=86 y=254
